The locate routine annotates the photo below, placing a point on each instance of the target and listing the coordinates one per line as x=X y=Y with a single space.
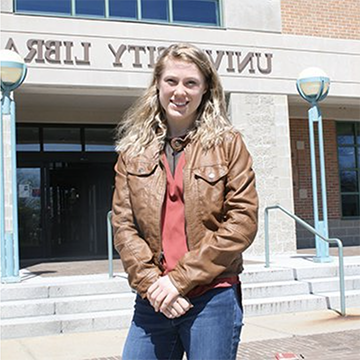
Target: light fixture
x=313 y=84
x=12 y=70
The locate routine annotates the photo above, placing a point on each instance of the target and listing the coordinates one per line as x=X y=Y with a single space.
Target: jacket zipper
x=186 y=234
x=161 y=257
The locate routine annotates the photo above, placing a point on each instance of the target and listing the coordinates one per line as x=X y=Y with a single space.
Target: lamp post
x=12 y=74
x=313 y=86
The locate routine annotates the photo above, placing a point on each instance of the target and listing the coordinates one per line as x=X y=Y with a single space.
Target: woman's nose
x=180 y=89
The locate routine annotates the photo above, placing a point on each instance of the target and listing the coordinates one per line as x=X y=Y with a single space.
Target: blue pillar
x=9 y=239
x=322 y=247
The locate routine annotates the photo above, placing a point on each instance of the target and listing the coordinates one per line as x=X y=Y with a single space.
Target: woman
x=184 y=210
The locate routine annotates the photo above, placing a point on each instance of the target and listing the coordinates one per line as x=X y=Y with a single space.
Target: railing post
x=267 y=246
x=110 y=245
x=342 y=278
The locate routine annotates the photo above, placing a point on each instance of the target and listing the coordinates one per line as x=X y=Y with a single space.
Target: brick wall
x=300 y=153
x=322 y=18
x=345 y=229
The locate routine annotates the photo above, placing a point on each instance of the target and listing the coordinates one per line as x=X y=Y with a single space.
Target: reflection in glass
x=349 y=181
x=90 y=7
x=350 y=205
x=99 y=139
x=62 y=139
x=346 y=157
x=345 y=134
x=27 y=139
x=154 y=9
x=29 y=204
x=196 y=11
x=46 y=6
x=123 y=8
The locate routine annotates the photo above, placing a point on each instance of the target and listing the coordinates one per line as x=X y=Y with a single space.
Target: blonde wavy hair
x=145 y=121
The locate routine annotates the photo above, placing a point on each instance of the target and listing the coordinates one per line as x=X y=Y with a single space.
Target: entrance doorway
x=63 y=202
x=79 y=199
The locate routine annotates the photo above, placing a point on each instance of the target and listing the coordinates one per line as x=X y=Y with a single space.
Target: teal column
x=322 y=247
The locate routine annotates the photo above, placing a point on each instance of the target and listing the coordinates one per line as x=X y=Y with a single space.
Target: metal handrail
x=312 y=230
x=110 y=244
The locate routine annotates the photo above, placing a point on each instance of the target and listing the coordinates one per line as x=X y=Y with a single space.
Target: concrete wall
x=6 y=6
x=263 y=121
x=258 y=15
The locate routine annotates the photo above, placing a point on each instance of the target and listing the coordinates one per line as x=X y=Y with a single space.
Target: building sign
x=70 y=53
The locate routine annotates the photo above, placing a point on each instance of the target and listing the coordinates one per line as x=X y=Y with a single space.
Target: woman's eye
x=170 y=81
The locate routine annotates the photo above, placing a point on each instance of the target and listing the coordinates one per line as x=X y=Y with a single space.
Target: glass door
x=30 y=212
x=67 y=212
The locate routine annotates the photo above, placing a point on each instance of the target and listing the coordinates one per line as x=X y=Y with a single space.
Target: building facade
x=88 y=62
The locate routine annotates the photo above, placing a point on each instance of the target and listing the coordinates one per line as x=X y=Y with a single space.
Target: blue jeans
x=208 y=331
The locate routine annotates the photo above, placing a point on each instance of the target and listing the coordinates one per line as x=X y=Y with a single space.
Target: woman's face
x=181 y=88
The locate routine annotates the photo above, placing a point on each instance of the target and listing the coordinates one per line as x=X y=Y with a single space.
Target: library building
x=88 y=61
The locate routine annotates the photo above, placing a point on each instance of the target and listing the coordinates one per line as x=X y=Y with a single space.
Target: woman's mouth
x=179 y=103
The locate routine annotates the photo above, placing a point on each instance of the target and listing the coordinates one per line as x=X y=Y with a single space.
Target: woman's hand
x=164 y=297
x=179 y=307
x=162 y=293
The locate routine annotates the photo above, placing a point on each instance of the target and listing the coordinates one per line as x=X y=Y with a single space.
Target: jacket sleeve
x=135 y=253
x=222 y=247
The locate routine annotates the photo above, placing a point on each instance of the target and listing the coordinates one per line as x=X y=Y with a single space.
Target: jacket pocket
x=210 y=186
x=141 y=180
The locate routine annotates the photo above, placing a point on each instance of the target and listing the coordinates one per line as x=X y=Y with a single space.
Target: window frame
x=356 y=147
x=139 y=18
x=83 y=140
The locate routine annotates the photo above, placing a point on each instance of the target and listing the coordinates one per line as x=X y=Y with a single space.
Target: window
x=44 y=6
x=155 y=9
x=195 y=11
x=72 y=138
x=92 y=8
x=123 y=8
x=27 y=139
x=62 y=139
x=99 y=139
x=348 y=139
x=202 y=12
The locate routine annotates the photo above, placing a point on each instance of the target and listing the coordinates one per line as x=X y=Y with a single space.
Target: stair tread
x=67 y=299
x=282 y=298
x=272 y=283
x=337 y=293
x=333 y=278
x=59 y=317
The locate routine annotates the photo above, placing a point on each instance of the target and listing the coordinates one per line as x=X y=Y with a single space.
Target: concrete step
x=66 y=305
x=325 y=270
x=285 y=304
x=44 y=306
x=55 y=288
x=274 y=289
x=352 y=298
x=61 y=324
x=260 y=274
x=332 y=284
x=299 y=303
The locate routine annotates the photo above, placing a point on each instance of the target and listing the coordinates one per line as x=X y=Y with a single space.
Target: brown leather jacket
x=221 y=208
